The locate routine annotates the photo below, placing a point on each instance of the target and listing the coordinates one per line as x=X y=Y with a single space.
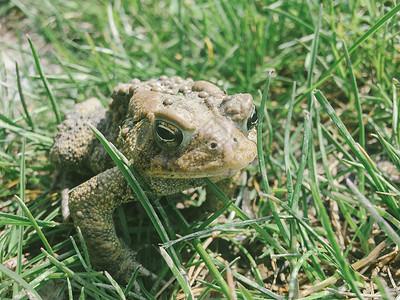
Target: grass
x=319 y=217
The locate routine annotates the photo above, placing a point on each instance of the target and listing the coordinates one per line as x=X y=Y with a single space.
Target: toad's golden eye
x=252 y=120
x=168 y=135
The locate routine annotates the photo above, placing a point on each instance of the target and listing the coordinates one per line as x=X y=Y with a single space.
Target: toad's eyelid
x=181 y=117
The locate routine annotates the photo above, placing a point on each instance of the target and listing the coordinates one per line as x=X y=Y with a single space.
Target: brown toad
x=173 y=131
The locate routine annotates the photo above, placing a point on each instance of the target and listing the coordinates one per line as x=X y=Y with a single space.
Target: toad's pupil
x=165 y=133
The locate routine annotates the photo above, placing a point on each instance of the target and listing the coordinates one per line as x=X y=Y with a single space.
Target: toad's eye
x=168 y=135
x=252 y=120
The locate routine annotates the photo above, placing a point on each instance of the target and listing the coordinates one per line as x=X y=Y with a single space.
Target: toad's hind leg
x=92 y=205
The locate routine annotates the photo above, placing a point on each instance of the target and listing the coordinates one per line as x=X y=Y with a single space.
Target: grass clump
x=320 y=215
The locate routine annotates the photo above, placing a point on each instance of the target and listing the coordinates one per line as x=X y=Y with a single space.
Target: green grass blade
x=84 y=248
x=383 y=288
x=22 y=97
x=354 y=88
x=181 y=276
x=45 y=82
x=115 y=285
x=361 y=139
x=17 y=278
x=124 y=165
x=115 y=33
x=100 y=66
x=396 y=113
x=253 y=264
x=35 y=225
x=33 y=136
x=324 y=154
x=260 y=149
x=246 y=294
x=313 y=56
x=393 y=153
x=293 y=289
x=346 y=271
x=78 y=253
x=9 y=219
x=20 y=229
x=131 y=281
x=374 y=214
x=286 y=144
x=307 y=125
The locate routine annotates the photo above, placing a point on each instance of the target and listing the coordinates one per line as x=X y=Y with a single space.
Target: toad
x=173 y=131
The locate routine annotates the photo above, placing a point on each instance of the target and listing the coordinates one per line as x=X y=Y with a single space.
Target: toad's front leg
x=92 y=204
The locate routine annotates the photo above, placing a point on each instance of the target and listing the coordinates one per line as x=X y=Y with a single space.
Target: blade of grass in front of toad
x=261 y=154
x=307 y=156
x=132 y=280
x=294 y=200
x=124 y=166
x=260 y=149
x=179 y=273
x=115 y=285
x=262 y=165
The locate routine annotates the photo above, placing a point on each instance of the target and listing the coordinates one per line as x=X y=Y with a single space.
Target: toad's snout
x=220 y=151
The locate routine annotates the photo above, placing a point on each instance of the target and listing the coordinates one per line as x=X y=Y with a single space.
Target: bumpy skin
x=174 y=132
